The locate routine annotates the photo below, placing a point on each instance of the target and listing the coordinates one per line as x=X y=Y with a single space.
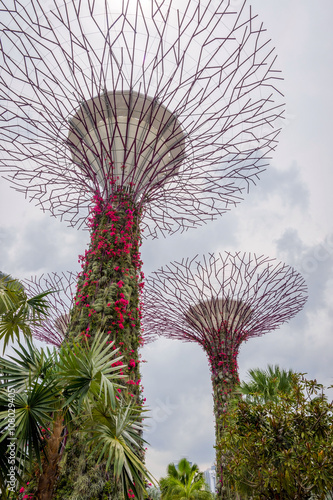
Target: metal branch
x=54 y=327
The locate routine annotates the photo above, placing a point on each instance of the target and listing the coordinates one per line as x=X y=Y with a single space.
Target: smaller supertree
x=53 y=328
x=220 y=302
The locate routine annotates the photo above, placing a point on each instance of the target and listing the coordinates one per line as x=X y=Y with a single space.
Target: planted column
x=109 y=286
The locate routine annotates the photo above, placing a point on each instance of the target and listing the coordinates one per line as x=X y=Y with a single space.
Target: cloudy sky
x=287 y=216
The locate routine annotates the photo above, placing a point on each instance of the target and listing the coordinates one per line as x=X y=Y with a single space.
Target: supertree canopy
x=172 y=102
x=220 y=302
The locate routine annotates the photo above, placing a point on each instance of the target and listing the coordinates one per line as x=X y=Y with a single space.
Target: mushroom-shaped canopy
x=127 y=138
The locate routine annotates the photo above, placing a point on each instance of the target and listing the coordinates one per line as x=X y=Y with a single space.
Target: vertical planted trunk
x=222 y=355
x=107 y=300
x=108 y=291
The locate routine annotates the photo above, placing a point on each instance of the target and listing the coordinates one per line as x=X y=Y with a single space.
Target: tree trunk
x=224 y=374
x=107 y=300
x=49 y=474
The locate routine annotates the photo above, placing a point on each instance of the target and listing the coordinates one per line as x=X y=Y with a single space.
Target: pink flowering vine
x=108 y=295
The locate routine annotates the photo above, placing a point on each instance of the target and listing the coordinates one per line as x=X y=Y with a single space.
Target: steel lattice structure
x=220 y=302
x=60 y=302
x=265 y=293
x=198 y=76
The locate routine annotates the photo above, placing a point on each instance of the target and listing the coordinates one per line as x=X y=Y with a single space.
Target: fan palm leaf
x=29 y=364
x=265 y=385
x=90 y=372
x=34 y=410
x=184 y=482
x=18 y=312
x=10 y=293
x=117 y=437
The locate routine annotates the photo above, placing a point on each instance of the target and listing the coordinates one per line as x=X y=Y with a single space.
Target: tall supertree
x=220 y=302
x=132 y=116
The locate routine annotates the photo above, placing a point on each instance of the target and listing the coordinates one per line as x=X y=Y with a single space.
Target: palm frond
x=266 y=385
x=30 y=364
x=11 y=293
x=34 y=409
x=117 y=437
x=37 y=304
x=184 y=482
x=88 y=371
x=18 y=312
x=12 y=323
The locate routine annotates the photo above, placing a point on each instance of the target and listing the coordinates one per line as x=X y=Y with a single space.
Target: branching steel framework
x=201 y=65
x=220 y=302
x=53 y=329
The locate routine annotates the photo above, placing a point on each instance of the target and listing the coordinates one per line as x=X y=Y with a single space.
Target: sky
x=287 y=216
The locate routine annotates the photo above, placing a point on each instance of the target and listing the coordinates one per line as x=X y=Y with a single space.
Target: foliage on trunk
x=108 y=301
x=222 y=355
x=108 y=290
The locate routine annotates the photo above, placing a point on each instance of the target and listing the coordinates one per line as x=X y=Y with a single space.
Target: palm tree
x=52 y=392
x=266 y=385
x=18 y=312
x=184 y=482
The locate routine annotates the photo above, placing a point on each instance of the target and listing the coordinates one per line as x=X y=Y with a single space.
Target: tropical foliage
x=281 y=448
x=266 y=385
x=184 y=482
x=153 y=493
x=53 y=393
x=18 y=313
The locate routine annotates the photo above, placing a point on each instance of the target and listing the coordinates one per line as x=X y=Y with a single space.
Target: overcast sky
x=288 y=215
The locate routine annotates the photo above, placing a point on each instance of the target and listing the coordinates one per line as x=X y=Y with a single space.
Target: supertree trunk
x=108 y=300
x=108 y=290
x=224 y=375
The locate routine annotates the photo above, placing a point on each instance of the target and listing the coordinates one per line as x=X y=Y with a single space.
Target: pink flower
x=120 y=284
x=132 y=363
x=22 y=490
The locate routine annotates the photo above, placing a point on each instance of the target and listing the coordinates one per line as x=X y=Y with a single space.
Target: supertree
x=141 y=115
x=219 y=302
